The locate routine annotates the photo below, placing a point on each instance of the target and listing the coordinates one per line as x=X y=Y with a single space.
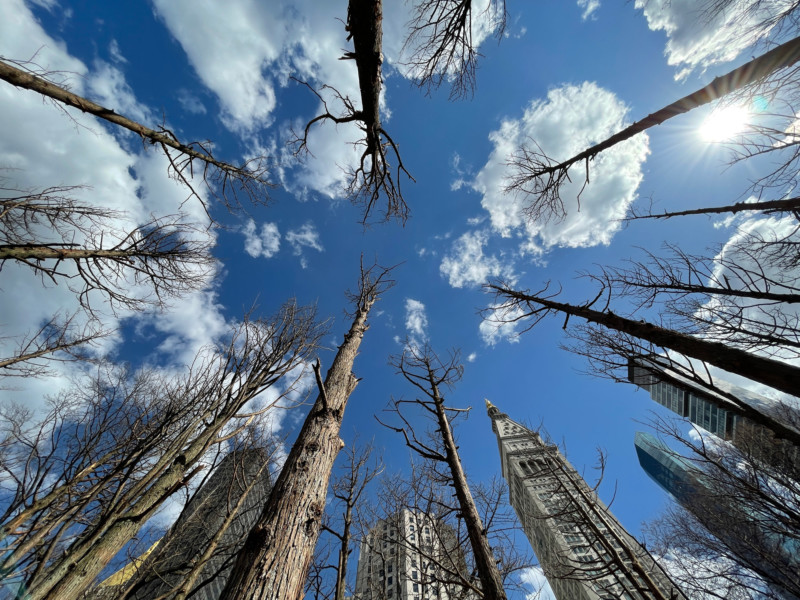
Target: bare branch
x=223 y=180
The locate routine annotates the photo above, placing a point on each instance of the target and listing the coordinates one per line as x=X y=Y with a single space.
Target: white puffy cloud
x=697 y=40
x=570 y=119
x=500 y=323
x=466 y=265
x=416 y=322
x=265 y=242
x=472 y=356
x=589 y=8
x=534 y=577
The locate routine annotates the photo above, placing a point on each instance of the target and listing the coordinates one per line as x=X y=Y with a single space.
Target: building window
x=414 y=575
x=415 y=587
x=389 y=580
x=390 y=568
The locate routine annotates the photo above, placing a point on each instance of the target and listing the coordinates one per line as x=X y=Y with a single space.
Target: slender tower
x=584 y=551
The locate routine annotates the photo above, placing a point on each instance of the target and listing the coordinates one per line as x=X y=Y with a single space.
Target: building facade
x=410 y=556
x=222 y=512
x=584 y=551
x=746 y=534
x=714 y=408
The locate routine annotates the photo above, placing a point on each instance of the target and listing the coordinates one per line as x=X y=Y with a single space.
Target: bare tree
x=739 y=512
x=223 y=180
x=110 y=457
x=787 y=205
x=62 y=239
x=342 y=519
x=59 y=339
x=532 y=308
x=540 y=177
x=277 y=554
x=374 y=175
x=743 y=294
x=428 y=373
x=202 y=544
x=440 y=43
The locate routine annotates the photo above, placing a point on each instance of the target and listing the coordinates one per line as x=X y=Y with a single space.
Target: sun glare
x=725 y=123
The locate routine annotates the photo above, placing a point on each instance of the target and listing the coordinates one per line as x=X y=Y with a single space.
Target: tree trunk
x=491 y=580
x=276 y=556
x=344 y=553
x=20 y=78
x=765 y=65
x=774 y=373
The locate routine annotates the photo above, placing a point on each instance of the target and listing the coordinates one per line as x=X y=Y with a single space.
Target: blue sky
x=565 y=73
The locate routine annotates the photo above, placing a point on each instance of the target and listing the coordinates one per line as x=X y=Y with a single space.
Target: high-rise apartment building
x=747 y=534
x=410 y=556
x=586 y=554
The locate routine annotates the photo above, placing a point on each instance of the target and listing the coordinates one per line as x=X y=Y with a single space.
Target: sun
x=724 y=124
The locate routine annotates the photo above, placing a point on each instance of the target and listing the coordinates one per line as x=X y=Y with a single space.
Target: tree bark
x=765 y=65
x=774 y=373
x=344 y=553
x=491 y=580
x=276 y=556
x=20 y=78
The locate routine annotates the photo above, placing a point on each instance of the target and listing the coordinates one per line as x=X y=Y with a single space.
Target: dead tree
x=277 y=554
x=739 y=514
x=341 y=517
x=742 y=294
x=202 y=544
x=774 y=373
x=139 y=444
x=767 y=207
x=423 y=369
x=374 y=174
x=539 y=177
x=63 y=240
x=59 y=339
x=222 y=180
x=440 y=46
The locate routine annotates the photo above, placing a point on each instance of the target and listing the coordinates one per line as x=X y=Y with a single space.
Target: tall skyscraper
x=745 y=533
x=410 y=556
x=586 y=554
x=228 y=504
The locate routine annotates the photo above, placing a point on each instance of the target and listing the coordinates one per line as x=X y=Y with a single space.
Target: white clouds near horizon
x=534 y=577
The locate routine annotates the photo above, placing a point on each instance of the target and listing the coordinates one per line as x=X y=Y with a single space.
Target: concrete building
x=229 y=502
x=410 y=556
x=584 y=551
